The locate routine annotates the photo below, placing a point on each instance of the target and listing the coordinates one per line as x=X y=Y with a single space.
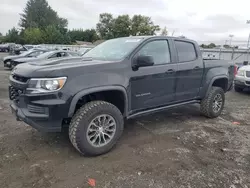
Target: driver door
x=153 y=86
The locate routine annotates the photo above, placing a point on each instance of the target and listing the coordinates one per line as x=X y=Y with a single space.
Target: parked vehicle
x=47 y=55
x=117 y=80
x=28 y=54
x=21 y=49
x=6 y=47
x=242 y=79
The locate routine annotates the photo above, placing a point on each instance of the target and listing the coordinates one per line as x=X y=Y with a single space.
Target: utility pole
x=231 y=37
x=173 y=32
x=248 y=22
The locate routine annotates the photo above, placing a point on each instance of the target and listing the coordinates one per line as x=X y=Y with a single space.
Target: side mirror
x=143 y=61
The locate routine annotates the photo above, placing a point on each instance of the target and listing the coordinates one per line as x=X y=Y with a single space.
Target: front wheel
x=95 y=128
x=213 y=104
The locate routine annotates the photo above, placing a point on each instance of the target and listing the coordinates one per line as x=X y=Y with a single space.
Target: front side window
x=158 y=49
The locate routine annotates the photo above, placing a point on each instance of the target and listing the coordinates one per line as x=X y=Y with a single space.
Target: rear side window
x=186 y=51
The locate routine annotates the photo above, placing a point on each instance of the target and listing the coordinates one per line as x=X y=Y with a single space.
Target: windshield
x=45 y=55
x=115 y=49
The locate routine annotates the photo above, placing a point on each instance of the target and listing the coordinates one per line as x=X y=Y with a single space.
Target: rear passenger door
x=153 y=86
x=189 y=72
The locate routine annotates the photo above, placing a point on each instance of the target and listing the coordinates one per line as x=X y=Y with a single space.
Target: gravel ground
x=177 y=148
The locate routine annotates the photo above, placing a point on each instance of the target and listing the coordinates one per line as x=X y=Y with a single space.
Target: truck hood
x=12 y=57
x=26 y=59
x=60 y=67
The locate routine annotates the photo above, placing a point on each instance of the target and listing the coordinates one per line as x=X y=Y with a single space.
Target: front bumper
x=43 y=123
x=44 y=112
x=242 y=81
x=7 y=64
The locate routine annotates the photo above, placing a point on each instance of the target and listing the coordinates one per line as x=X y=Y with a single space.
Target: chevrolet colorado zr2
x=120 y=79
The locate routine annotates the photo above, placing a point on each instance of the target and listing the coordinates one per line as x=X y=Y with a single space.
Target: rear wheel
x=96 y=128
x=238 y=89
x=213 y=104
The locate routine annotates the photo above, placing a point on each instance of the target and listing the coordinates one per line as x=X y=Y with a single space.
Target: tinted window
x=54 y=56
x=35 y=54
x=158 y=49
x=63 y=54
x=73 y=54
x=186 y=51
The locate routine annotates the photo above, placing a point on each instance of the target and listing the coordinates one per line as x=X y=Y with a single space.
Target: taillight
x=235 y=70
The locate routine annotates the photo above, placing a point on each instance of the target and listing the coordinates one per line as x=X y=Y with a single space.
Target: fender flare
x=212 y=81
x=97 y=89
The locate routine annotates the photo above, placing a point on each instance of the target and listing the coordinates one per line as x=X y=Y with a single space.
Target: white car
x=242 y=79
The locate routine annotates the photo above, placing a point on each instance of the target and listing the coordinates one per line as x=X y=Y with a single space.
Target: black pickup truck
x=119 y=79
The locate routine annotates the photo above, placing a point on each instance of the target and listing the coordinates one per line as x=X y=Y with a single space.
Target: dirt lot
x=177 y=148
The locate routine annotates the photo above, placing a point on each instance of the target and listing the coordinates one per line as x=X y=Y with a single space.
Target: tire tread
x=206 y=102
x=83 y=112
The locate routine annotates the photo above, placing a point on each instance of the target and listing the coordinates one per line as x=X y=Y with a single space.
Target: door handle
x=170 y=71
x=197 y=67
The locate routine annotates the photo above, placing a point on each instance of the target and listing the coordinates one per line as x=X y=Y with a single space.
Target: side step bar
x=150 y=111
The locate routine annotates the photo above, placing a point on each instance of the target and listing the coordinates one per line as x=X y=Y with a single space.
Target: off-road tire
x=207 y=103
x=80 y=122
x=238 y=89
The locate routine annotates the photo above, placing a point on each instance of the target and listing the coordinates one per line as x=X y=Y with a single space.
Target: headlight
x=44 y=85
x=241 y=73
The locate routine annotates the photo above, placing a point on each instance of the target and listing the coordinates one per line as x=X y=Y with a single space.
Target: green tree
x=38 y=14
x=203 y=46
x=110 y=27
x=76 y=34
x=122 y=26
x=211 y=45
x=143 y=25
x=105 y=26
x=164 y=31
x=88 y=35
x=12 y=36
x=33 y=36
x=1 y=34
x=52 y=35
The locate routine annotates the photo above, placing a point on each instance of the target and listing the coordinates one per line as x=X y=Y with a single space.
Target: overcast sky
x=202 y=20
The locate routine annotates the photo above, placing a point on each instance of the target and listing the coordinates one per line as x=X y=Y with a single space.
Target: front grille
x=247 y=82
x=247 y=73
x=36 y=109
x=14 y=93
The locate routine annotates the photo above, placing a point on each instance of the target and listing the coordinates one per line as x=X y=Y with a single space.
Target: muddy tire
x=96 y=128
x=238 y=89
x=213 y=104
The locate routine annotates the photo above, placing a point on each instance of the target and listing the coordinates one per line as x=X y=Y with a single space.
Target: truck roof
x=159 y=37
